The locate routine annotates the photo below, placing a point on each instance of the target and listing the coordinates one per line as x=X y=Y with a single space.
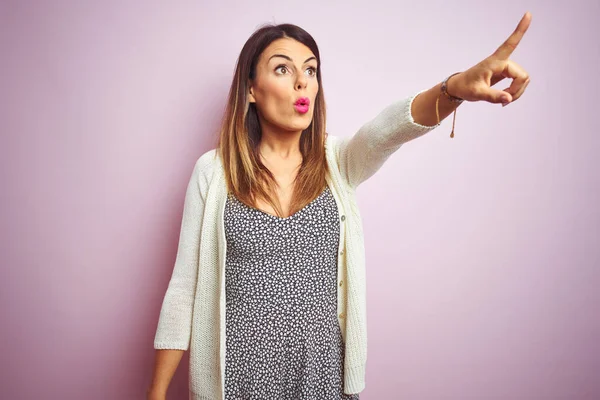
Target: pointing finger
x=506 y=49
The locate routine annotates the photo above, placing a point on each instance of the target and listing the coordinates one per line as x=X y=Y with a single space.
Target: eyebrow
x=288 y=58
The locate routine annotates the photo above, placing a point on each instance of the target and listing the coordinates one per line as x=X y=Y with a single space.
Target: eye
x=281 y=66
x=284 y=67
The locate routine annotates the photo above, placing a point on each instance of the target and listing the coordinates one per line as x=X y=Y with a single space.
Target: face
x=286 y=70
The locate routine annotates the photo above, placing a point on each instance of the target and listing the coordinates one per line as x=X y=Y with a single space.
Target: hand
x=475 y=83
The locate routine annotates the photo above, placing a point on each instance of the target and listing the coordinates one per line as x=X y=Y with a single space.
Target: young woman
x=268 y=288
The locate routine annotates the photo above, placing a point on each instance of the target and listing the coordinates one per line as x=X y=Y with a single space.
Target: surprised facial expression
x=286 y=71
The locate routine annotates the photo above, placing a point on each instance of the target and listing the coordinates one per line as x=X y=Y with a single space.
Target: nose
x=301 y=82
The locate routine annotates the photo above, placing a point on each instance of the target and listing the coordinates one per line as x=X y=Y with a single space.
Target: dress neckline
x=289 y=216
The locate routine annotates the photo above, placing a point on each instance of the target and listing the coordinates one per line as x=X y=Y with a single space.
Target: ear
x=251 y=98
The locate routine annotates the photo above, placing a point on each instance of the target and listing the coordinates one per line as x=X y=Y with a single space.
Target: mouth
x=302 y=105
x=301 y=108
x=302 y=101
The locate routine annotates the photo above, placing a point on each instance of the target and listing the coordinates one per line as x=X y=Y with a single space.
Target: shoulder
x=332 y=143
x=207 y=160
x=331 y=140
x=204 y=167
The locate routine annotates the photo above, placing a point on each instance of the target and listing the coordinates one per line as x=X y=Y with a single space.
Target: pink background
x=482 y=250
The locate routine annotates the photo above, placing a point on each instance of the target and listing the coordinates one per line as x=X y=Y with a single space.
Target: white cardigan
x=193 y=309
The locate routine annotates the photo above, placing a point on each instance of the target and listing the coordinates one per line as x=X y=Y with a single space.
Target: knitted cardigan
x=193 y=309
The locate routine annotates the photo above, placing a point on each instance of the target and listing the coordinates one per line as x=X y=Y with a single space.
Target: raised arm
x=362 y=154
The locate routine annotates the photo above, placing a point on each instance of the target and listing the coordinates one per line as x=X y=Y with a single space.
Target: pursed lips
x=305 y=101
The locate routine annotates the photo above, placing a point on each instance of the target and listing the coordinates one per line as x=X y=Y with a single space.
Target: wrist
x=453 y=86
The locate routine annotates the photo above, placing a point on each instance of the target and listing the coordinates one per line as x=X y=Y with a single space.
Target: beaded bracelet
x=458 y=100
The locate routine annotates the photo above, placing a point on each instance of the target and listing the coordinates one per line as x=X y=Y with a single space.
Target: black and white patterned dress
x=283 y=339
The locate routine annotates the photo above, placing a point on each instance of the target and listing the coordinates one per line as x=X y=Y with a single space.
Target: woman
x=268 y=288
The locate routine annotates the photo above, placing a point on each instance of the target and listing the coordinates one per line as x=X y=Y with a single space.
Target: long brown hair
x=246 y=176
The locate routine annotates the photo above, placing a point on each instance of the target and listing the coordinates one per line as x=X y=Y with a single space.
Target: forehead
x=288 y=47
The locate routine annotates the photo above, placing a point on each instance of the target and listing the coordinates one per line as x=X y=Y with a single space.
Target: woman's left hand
x=476 y=83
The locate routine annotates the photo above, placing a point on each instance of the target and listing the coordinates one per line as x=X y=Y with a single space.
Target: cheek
x=276 y=92
x=275 y=100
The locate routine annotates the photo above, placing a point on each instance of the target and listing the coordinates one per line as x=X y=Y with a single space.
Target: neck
x=285 y=146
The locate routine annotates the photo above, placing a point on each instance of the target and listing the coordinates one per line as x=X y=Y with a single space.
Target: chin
x=302 y=125
x=297 y=128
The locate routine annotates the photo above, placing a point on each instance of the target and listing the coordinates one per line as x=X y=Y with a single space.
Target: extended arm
x=362 y=154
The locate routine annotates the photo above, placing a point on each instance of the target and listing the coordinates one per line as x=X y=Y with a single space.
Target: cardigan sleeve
x=363 y=154
x=175 y=320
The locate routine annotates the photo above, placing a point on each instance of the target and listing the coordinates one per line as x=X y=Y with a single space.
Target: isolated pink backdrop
x=482 y=250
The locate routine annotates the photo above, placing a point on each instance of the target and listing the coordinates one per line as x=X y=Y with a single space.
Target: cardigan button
x=343 y=217
x=342 y=315
x=341 y=283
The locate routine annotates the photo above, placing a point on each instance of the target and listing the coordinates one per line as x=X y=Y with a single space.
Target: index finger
x=506 y=49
